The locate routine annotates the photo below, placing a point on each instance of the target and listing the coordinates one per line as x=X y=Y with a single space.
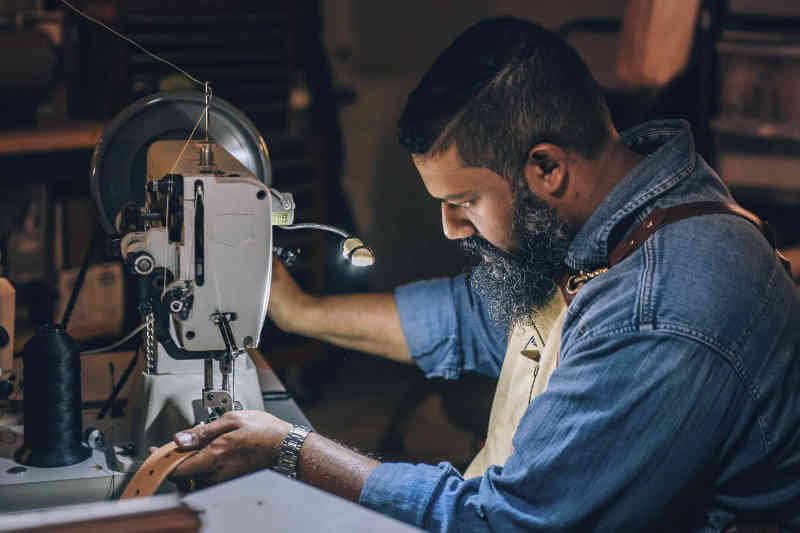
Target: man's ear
x=547 y=169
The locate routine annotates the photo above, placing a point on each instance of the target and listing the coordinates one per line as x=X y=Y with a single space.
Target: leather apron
x=531 y=356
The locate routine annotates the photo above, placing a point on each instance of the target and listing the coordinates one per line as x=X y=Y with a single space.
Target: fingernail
x=186 y=439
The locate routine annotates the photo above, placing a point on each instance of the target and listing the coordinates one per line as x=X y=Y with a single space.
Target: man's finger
x=199 y=465
x=201 y=434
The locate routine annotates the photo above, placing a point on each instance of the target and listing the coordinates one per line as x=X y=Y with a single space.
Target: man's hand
x=286 y=299
x=239 y=443
x=242 y=442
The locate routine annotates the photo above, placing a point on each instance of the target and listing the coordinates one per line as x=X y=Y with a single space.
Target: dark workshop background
x=324 y=82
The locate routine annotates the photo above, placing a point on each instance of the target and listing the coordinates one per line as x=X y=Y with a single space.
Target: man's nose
x=454 y=224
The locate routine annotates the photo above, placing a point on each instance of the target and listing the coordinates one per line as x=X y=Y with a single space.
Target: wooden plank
x=62 y=136
x=147 y=515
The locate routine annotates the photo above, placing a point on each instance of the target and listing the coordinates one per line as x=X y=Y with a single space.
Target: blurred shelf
x=780 y=175
x=759 y=155
x=753 y=127
x=56 y=137
x=774 y=47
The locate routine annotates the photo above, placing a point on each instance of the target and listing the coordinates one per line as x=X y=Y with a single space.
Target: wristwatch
x=290 y=450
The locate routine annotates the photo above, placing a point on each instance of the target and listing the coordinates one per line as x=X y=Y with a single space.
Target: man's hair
x=499 y=89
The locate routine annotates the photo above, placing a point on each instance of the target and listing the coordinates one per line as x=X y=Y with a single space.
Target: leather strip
x=660 y=217
x=155 y=470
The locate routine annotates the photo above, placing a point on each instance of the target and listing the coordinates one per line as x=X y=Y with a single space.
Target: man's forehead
x=446 y=176
x=447 y=160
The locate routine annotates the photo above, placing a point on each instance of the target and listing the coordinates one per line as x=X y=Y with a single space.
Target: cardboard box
x=96 y=384
x=29 y=245
x=100 y=308
x=73 y=221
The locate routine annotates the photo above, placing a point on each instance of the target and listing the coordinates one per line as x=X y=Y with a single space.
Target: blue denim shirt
x=676 y=404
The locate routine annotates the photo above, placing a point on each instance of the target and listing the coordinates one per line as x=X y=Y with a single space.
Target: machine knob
x=287 y=256
x=179 y=302
x=142 y=264
x=128 y=218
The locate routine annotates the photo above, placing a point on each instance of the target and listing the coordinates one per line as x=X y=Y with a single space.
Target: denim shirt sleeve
x=611 y=445
x=448 y=330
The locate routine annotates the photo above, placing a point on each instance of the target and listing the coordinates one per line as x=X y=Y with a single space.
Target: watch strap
x=290 y=450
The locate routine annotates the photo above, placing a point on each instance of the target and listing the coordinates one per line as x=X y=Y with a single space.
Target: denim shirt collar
x=670 y=157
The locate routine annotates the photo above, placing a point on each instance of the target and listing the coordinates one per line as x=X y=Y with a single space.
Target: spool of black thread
x=53 y=424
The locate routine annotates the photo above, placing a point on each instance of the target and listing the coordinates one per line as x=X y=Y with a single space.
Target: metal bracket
x=223 y=321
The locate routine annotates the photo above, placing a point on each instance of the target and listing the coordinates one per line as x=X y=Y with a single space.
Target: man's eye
x=466 y=204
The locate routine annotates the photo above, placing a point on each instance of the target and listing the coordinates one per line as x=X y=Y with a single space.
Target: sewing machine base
x=170 y=400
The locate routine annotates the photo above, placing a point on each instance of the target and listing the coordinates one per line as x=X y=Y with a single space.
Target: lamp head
x=358 y=254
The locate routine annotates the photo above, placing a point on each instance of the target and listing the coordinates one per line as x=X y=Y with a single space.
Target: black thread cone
x=53 y=423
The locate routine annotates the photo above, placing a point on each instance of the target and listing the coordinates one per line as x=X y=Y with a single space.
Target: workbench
x=25 y=488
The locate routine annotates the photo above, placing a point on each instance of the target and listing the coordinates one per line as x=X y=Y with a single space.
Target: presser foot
x=218 y=402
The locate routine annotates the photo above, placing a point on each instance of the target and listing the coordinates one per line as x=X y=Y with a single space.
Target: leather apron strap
x=660 y=217
x=657 y=219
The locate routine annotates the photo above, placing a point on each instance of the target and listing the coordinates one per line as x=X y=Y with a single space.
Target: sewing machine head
x=202 y=246
x=201 y=250
x=195 y=219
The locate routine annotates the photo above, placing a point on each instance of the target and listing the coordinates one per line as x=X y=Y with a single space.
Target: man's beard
x=513 y=284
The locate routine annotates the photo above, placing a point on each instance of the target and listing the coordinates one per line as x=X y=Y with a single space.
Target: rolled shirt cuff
x=429 y=321
x=404 y=491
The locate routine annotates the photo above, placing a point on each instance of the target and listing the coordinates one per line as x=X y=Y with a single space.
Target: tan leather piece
x=155 y=470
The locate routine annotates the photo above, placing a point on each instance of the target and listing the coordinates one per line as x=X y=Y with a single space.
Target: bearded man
x=650 y=377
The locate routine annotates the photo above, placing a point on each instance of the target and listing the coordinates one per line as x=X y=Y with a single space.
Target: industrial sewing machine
x=200 y=247
x=194 y=220
x=197 y=236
